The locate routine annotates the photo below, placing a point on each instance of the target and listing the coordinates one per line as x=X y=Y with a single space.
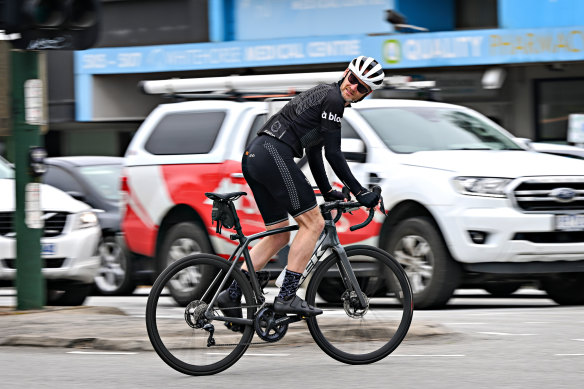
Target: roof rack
x=259 y=87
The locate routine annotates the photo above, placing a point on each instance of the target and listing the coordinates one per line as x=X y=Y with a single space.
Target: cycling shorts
x=278 y=185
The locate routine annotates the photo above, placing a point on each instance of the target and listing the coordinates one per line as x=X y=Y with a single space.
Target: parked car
x=467 y=205
x=68 y=244
x=95 y=180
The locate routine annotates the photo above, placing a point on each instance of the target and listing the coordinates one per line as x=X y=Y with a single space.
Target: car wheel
x=328 y=290
x=565 y=289
x=115 y=276
x=69 y=295
x=181 y=240
x=417 y=244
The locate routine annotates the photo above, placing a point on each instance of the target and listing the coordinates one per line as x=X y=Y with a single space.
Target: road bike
x=364 y=293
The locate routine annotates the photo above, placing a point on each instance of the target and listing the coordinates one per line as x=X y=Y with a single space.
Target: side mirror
x=354 y=150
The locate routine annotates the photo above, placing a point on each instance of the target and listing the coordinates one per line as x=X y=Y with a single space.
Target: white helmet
x=368 y=70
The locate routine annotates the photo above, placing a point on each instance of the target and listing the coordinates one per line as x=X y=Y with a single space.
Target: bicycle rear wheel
x=177 y=332
x=350 y=334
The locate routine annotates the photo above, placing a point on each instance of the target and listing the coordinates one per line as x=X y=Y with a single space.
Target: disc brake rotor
x=352 y=306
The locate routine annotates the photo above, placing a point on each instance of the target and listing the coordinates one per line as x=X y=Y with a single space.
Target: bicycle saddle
x=225 y=196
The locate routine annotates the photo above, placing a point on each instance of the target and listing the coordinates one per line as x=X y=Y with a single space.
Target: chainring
x=267 y=327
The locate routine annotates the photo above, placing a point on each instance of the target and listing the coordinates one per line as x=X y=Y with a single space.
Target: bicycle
x=364 y=293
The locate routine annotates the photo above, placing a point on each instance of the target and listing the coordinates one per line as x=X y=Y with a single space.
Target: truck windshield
x=5 y=169
x=411 y=129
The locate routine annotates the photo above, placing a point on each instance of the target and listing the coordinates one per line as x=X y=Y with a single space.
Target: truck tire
x=418 y=245
x=181 y=240
x=566 y=288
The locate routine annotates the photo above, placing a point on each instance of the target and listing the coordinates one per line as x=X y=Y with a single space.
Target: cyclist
x=311 y=121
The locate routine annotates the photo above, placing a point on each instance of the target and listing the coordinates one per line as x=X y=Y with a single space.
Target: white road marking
x=254 y=354
x=427 y=355
x=569 y=355
x=537 y=322
x=505 y=334
x=101 y=352
x=579 y=340
x=463 y=324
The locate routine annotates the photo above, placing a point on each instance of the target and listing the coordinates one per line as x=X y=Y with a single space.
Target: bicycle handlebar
x=348 y=206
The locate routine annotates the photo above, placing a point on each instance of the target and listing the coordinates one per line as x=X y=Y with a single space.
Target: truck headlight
x=481 y=186
x=86 y=219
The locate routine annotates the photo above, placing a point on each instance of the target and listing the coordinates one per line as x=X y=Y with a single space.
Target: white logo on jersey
x=331 y=116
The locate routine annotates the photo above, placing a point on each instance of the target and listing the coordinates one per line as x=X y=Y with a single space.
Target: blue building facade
x=537 y=44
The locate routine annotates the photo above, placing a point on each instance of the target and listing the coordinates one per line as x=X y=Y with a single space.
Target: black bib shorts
x=278 y=185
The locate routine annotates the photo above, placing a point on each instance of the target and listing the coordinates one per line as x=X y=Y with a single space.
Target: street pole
x=30 y=284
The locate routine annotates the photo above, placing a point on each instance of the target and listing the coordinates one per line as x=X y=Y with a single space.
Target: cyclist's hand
x=367 y=198
x=333 y=195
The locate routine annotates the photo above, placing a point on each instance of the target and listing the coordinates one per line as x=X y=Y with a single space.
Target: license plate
x=570 y=222
x=48 y=248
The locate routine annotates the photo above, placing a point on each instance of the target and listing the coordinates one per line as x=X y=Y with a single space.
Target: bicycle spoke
x=179 y=329
x=354 y=334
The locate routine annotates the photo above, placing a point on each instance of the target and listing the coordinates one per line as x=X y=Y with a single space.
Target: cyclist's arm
x=314 y=155
x=333 y=154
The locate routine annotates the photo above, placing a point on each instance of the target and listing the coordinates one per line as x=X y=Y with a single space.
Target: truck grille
x=549 y=194
x=54 y=224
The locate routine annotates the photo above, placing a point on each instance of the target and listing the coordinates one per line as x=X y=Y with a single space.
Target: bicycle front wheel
x=180 y=334
x=348 y=332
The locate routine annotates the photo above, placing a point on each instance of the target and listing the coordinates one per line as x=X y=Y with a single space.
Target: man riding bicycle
x=311 y=121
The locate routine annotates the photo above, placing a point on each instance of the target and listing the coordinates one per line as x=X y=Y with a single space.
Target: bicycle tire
x=371 y=335
x=178 y=344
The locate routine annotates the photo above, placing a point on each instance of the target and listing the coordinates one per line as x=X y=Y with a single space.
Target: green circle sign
x=392 y=51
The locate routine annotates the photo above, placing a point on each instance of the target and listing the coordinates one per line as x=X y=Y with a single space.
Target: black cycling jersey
x=311 y=121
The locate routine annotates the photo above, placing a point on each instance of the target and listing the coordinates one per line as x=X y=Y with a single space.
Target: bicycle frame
x=327 y=240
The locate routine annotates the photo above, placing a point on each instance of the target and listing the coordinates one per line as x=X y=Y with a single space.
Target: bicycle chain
x=243 y=344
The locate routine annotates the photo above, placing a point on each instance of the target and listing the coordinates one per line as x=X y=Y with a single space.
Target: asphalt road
x=526 y=341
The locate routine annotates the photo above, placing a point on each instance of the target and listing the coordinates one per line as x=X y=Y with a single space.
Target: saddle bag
x=222 y=215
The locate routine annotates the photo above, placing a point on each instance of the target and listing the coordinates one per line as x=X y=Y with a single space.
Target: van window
x=185 y=133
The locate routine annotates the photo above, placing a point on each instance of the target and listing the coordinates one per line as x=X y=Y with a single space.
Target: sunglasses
x=355 y=81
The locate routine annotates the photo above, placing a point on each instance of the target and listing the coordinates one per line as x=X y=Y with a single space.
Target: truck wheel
x=115 y=276
x=565 y=289
x=418 y=246
x=181 y=240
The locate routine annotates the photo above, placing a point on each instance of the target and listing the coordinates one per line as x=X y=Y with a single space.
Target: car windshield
x=411 y=129
x=5 y=170
x=105 y=179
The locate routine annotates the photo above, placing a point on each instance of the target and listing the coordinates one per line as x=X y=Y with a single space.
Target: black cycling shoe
x=230 y=308
x=295 y=305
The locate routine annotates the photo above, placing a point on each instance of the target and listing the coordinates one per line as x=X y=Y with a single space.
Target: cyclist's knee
x=311 y=220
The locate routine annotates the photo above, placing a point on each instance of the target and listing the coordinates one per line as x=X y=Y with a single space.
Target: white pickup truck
x=467 y=205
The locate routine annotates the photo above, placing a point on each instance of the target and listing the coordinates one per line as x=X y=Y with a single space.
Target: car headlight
x=86 y=219
x=481 y=186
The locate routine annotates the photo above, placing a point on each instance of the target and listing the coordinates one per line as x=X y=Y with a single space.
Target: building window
x=555 y=100
x=475 y=14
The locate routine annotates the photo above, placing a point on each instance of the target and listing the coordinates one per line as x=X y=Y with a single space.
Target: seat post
x=237 y=226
